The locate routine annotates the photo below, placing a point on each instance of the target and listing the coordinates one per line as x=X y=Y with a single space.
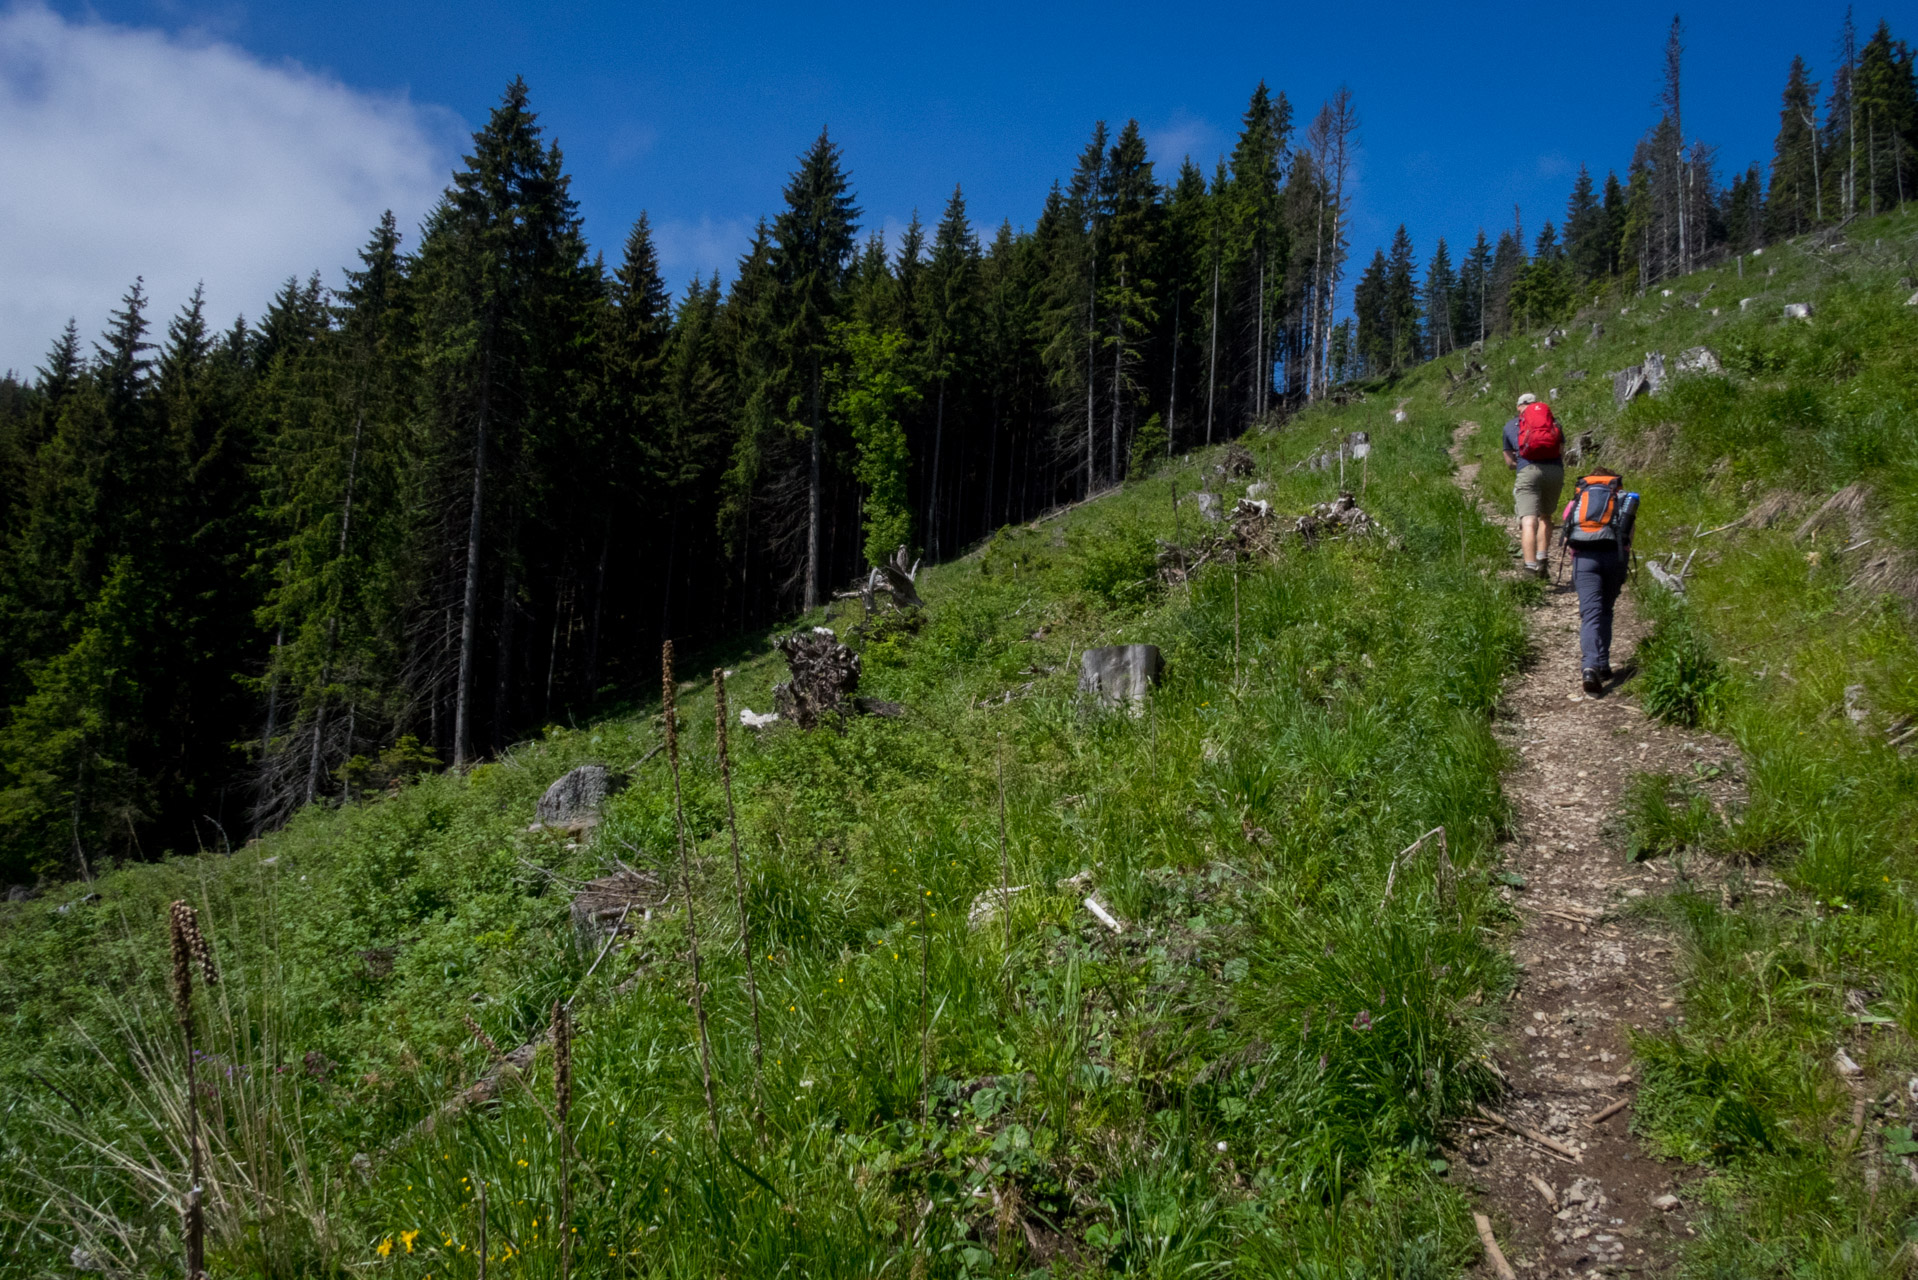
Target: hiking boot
x=1605 y=671
x=1532 y=566
x=1593 y=683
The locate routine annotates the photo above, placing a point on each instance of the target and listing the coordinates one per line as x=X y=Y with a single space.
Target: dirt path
x=1592 y=971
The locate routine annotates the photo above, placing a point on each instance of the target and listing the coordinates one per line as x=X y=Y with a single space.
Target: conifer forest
x=967 y=751
x=402 y=519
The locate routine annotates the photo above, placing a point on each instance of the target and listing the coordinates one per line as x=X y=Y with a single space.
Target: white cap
x=1527 y=398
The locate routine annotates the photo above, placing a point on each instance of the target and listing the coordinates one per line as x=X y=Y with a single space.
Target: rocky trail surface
x=1567 y=1189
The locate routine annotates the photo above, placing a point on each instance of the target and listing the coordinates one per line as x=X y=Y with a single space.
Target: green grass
x=1256 y=1075
x=1779 y=641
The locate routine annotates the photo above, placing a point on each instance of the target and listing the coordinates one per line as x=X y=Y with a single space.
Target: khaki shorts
x=1535 y=491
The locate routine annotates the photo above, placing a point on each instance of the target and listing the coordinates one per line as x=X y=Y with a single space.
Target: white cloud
x=689 y=248
x=1184 y=134
x=133 y=152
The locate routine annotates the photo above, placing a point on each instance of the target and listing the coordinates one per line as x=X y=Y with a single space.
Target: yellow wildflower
x=386 y=1247
x=406 y=1238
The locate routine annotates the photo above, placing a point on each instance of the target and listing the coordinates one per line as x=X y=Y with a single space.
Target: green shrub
x=1121 y=570
x=1663 y=814
x=1679 y=680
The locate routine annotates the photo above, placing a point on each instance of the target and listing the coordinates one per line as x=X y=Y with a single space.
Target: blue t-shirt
x=1511 y=443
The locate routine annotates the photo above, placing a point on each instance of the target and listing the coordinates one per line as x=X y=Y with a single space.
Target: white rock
x=1912 y=301
x=1665 y=1203
x=754 y=720
x=1744 y=303
x=1757 y=253
x=985 y=907
x=1798 y=311
x=1845 y=1065
x=1699 y=360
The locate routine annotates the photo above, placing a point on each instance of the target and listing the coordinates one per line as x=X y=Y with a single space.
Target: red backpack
x=1539 y=439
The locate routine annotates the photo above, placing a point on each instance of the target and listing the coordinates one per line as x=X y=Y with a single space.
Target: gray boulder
x=1628 y=383
x=1121 y=674
x=1209 y=506
x=1655 y=371
x=575 y=800
x=1699 y=360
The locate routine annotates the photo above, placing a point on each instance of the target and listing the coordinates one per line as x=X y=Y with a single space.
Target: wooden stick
x=1105 y=917
x=1499 y=1264
x=1595 y=1120
x=1550 y=1144
x=1544 y=1188
x=668 y=692
x=1857 y=1126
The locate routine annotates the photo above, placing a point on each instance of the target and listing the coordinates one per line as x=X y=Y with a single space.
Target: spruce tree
x=1585 y=238
x=1441 y=287
x=949 y=321
x=1795 y=202
x=1088 y=201
x=1474 y=284
x=1256 y=249
x=813 y=240
x=1400 y=303
x=501 y=257
x=1887 y=108
x=1615 y=216
x=1372 y=343
x=1130 y=296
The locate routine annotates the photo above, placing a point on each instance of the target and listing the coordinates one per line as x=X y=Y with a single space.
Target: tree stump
x=1120 y=675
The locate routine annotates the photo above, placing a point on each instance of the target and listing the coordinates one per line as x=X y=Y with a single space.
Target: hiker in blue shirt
x=1533 y=449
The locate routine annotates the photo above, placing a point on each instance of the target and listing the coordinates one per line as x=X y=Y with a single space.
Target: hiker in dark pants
x=1598 y=531
x=1598 y=571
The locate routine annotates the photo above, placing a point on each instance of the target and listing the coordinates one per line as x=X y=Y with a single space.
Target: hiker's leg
x=1525 y=507
x=1613 y=583
x=1594 y=608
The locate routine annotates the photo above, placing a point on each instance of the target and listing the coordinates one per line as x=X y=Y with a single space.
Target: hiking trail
x=1591 y=969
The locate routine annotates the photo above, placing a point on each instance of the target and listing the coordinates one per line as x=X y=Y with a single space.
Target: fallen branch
x=1601 y=1117
x=1544 y=1188
x=1104 y=917
x=1550 y=1144
x=634 y=766
x=1857 y=1126
x=1492 y=1252
x=1405 y=855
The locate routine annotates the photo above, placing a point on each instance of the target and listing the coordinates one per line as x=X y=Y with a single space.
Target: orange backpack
x=1593 y=515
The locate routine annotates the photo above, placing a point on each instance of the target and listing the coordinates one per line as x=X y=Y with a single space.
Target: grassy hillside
x=1795 y=640
x=1258 y=1070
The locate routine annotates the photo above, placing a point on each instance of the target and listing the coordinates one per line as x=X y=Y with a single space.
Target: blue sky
x=695 y=112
